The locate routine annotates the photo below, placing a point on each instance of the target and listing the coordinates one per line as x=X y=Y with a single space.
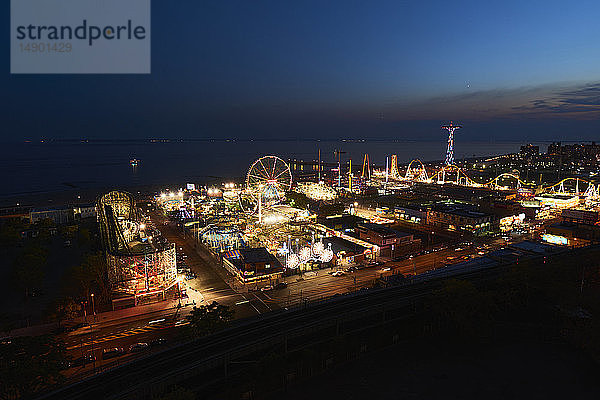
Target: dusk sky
x=513 y=70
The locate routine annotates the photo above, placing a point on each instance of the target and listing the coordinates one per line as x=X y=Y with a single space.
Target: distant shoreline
x=276 y=140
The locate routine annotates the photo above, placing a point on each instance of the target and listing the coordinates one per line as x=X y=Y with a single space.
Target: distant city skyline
x=512 y=71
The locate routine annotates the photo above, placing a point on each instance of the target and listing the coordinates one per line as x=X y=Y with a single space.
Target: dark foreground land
x=528 y=329
x=515 y=370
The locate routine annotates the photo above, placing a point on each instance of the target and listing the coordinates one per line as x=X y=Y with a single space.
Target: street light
x=179 y=291
x=93 y=306
x=83 y=305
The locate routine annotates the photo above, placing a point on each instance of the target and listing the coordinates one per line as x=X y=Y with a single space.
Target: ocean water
x=37 y=168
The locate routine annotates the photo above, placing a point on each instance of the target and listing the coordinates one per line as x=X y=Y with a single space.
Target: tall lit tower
x=450 y=151
x=394 y=174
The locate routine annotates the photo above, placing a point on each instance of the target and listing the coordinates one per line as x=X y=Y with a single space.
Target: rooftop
x=535 y=247
x=382 y=230
x=460 y=210
x=339 y=244
x=258 y=255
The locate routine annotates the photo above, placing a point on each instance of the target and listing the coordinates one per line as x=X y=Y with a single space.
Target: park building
x=58 y=215
x=253 y=265
x=341 y=222
x=415 y=215
x=62 y=215
x=349 y=252
x=391 y=243
x=457 y=217
x=84 y=211
x=576 y=228
x=558 y=200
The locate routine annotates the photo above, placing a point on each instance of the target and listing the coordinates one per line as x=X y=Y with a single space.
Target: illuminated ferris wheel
x=269 y=177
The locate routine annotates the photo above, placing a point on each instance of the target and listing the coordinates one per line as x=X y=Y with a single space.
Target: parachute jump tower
x=450 y=151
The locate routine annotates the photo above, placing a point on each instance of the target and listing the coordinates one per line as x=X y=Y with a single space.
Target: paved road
x=213 y=281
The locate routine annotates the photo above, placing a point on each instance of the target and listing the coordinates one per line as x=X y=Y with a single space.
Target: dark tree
x=28 y=268
x=298 y=200
x=88 y=277
x=29 y=365
x=208 y=319
x=64 y=308
x=10 y=232
x=8 y=322
x=331 y=209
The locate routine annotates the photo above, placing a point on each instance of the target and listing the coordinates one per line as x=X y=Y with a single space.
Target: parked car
x=158 y=342
x=112 y=352
x=83 y=360
x=281 y=285
x=338 y=273
x=138 y=347
x=76 y=326
x=351 y=269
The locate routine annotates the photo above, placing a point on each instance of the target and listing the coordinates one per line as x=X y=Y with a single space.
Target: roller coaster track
x=418 y=173
x=559 y=187
x=462 y=178
x=468 y=181
x=112 y=207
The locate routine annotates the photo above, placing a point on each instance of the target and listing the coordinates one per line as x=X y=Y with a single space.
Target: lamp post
x=93 y=306
x=179 y=292
x=84 y=304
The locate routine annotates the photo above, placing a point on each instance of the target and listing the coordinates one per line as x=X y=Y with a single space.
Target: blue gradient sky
x=328 y=69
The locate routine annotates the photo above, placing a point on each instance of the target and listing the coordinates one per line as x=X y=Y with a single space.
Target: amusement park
x=287 y=233
x=289 y=219
x=273 y=200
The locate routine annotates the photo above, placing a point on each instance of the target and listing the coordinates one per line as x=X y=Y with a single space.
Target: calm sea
x=38 y=168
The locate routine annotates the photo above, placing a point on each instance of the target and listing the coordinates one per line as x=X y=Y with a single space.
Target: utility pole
x=84 y=304
x=93 y=306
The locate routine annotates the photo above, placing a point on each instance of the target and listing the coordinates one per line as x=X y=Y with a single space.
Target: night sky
x=512 y=70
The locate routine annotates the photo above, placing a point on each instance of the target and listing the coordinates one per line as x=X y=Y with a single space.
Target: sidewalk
x=109 y=318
